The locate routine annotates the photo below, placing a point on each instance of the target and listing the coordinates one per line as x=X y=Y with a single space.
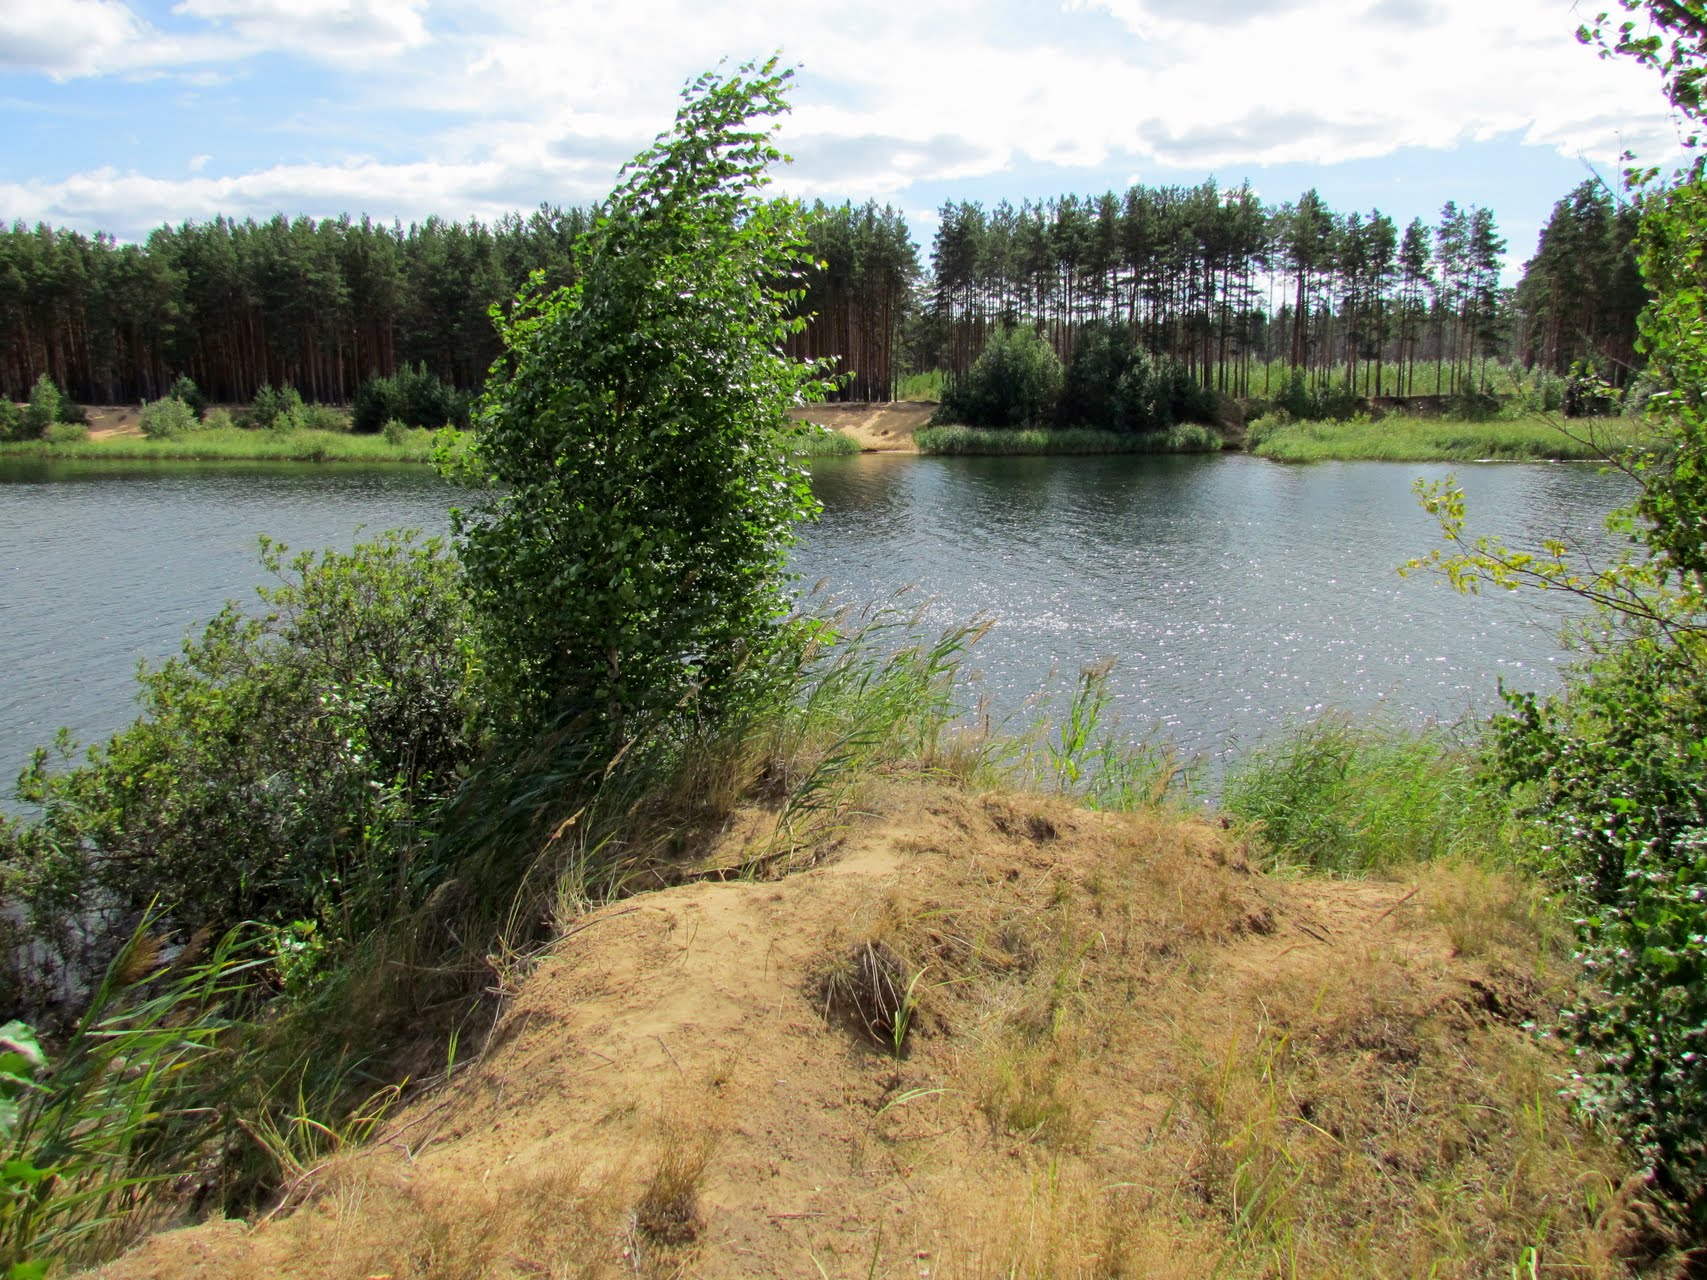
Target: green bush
x=320 y=417
x=1014 y=382
x=218 y=420
x=276 y=410
x=43 y=409
x=284 y=765
x=66 y=433
x=1328 y=402
x=167 y=419
x=396 y=431
x=1615 y=772
x=185 y=389
x=11 y=420
x=413 y=396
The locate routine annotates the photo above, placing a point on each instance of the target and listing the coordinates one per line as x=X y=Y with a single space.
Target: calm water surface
x=1236 y=594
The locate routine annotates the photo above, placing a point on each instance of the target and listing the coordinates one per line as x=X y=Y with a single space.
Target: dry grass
x=1127 y=1053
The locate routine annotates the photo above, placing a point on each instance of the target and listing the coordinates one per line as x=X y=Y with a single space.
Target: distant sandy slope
x=1124 y=1034
x=880 y=427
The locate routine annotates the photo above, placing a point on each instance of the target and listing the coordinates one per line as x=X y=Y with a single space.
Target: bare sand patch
x=879 y=426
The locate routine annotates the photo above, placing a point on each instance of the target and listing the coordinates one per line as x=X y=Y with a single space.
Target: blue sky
x=125 y=113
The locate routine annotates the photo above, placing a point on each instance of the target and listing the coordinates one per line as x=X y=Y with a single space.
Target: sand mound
x=988 y=1035
x=879 y=427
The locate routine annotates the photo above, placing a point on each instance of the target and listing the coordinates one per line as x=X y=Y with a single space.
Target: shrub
x=284 y=765
x=1263 y=429
x=413 y=396
x=1329 y=402
x=1588 y=395
x=276 y=410
x=396 y=432
x=71 y=413
x=1015 y=382
x=43 y=409
x=66 y=433
x=11 y=420
x=218 y=420
x=320 y=417
x=167 y=419
x=185 y=389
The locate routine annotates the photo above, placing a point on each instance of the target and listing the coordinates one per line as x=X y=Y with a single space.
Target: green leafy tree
x=632 y=553
x=1614 y=767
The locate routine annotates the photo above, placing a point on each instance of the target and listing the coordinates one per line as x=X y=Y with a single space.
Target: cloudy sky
x=122 y=114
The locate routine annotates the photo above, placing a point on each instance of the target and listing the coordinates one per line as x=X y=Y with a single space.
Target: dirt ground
x=989 y=1035
x=108 y=420
x=879 y=427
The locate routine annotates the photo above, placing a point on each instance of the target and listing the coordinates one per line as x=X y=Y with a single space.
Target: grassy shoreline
x=961 y=441
x=1399 y=438
x=1396 y=438
x=235 y=444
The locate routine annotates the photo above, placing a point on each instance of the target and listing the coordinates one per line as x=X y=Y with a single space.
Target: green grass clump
x=819 y=442
x=1399 y=438
x=233 y=444
x=960 y=441
x=921 y=386
x=1349 y=798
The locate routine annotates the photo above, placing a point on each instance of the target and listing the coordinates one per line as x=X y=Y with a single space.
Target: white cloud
x=70 y=38
x=520 y=102
x=334 y=30
x=198 y=163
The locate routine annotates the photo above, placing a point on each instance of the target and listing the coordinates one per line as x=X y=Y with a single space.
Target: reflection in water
x=1234 y=593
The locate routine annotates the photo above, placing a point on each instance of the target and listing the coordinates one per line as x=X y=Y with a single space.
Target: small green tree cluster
x=412 y=396
x=184 y=388
x=46 y=409
x=283 y=409
x=1014 y=382
x=1113 y=383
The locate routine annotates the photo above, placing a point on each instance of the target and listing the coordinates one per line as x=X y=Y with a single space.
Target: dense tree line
x=1220 y=281
x=1212 y=277
x=1582 y=291
x=859 y=297
x=322 y=306
x=235 y=305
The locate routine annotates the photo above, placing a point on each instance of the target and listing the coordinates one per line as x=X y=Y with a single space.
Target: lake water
x=1236 y=595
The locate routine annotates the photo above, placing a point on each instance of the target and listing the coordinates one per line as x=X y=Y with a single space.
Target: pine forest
x=1214 y=277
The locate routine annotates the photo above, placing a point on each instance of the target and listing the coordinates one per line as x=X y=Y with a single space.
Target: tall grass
x=1399 y=438
x=987 y=441
x=921 y=386
x=1347 y=798
x=820 y=442
x=127 y=1102
x=234 y=444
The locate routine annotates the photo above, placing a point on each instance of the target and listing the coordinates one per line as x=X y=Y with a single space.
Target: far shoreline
x=905 y=427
